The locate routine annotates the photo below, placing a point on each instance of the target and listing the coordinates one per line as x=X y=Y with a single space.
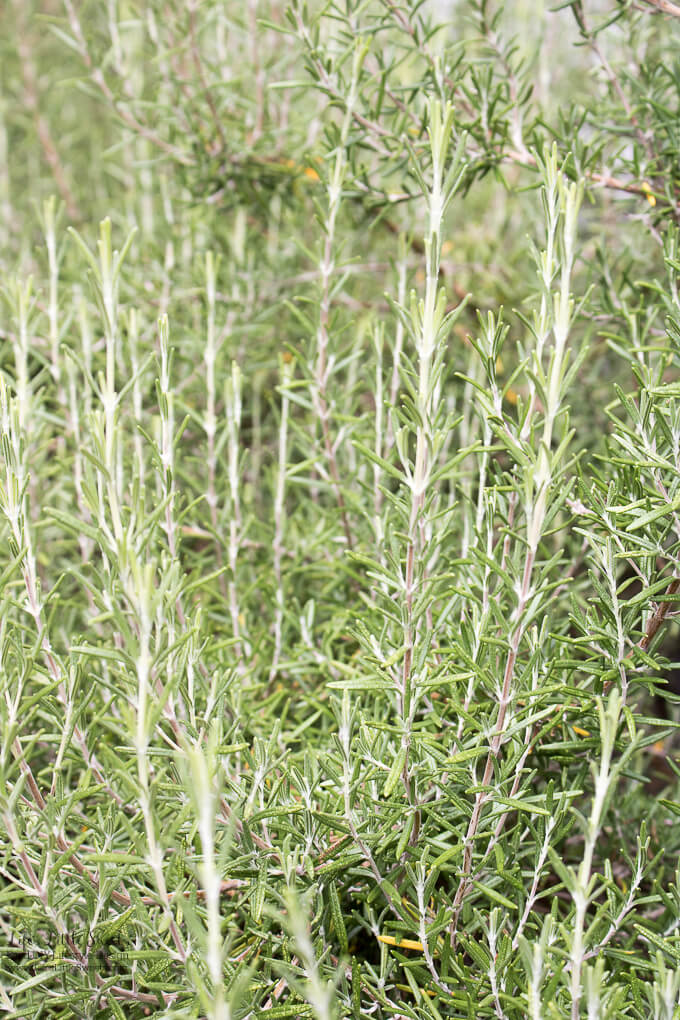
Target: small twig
x=50 y=151
x=126 y=116
x=198 y=63
x=654 y=623
x=254 y=34
x=592 y=41
x=665 y=7
x=657 y=618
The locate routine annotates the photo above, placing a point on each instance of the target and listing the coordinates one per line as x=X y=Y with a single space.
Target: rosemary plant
x=339 y=509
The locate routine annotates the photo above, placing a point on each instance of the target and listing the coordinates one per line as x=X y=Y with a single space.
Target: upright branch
x=211 y=351
x=280 y=512
x=16 y=421
x=233 y=407
x=323 y=361
x=551 y=382
x=429 y=324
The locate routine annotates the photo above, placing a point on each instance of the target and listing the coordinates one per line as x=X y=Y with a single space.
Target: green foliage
x=339 y=509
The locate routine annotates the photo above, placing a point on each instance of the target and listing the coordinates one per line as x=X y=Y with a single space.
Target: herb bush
x=340 y=490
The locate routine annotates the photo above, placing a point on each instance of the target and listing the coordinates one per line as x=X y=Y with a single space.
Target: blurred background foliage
x=197 y=122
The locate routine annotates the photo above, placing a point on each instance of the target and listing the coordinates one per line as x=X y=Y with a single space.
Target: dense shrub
x=340 y=503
